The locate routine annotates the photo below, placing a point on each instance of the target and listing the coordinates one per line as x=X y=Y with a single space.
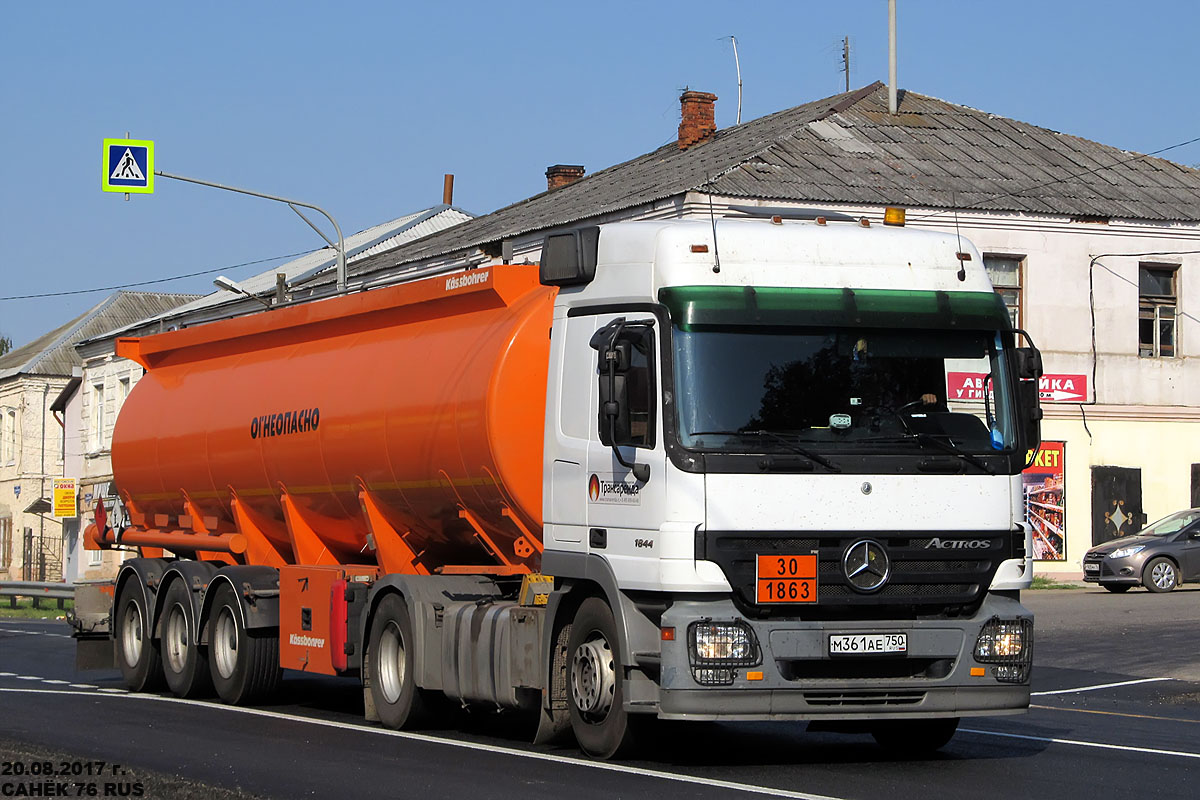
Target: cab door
x=624 y=513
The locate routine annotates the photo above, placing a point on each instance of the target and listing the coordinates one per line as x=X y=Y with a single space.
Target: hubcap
x=391 y=662
x=1163 y=575
x=131 y=634
x=177 y=638
x=224 y=643
x=593 y=677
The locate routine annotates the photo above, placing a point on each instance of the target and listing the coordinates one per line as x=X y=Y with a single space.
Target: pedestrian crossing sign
x=128 y=166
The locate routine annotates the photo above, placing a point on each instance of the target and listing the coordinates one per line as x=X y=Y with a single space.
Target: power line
x=156 y=280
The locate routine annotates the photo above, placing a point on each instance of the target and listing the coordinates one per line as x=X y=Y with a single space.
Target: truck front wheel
x=185 y=663
x=244 y=665
x=399 y=702
x=135 y=649
x=595 y=686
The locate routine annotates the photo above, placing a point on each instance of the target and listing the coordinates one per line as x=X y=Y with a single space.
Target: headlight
x=1126 y=552
x=715 y=647
x=1007 y=643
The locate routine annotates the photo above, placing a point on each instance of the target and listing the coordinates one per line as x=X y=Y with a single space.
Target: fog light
x=714 y=648
x=1008 y=643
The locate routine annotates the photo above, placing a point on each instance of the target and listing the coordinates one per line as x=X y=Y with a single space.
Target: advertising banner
x=1044 y=483
x=65 y=493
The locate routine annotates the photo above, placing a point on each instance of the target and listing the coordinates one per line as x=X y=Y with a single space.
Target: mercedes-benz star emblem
x=866 y=565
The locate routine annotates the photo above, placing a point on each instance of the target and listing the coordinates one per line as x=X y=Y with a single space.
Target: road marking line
x=7 y=674
x=28 y=678
x=48 y=680
x=487 y=748
x=1115 y=713
x=114 y=691
x=1099 y=686
x=82 y=686
x=1076 y=742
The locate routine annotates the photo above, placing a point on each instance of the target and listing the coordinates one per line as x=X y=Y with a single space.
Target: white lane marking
x=114 y=691
x=1050 y=739
x=81 y=686
x=7 y=674
x=62 y=683
x=28 y=678
x=487 y=748
x=1099 y=686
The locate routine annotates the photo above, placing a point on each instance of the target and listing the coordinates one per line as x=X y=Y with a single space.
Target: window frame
x=1154 y=305
x=1020 y=259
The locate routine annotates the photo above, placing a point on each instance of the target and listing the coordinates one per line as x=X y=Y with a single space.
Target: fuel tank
x=400 y=427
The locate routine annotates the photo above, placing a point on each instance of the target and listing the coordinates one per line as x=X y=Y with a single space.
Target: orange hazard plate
x=786 y=579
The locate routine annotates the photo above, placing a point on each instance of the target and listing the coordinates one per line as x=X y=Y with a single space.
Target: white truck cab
x=752 y=459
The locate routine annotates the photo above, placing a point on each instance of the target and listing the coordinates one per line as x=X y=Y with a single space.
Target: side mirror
x=1029 y=363
x=1030 y=411
x=614 y=344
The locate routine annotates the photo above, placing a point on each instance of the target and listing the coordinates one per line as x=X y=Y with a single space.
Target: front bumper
x=799 y=679
x=1126 y=571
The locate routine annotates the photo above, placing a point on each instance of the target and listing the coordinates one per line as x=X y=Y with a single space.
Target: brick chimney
x=698 y=123
x=562 y=174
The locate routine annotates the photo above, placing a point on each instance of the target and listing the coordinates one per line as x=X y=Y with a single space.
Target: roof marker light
x=866 y=223
x=699 y=248
x=776 y=220
x=821 y=220
x=893 y=216
x=963 y=256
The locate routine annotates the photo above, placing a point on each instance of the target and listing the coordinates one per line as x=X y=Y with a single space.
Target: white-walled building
x=1095 y=249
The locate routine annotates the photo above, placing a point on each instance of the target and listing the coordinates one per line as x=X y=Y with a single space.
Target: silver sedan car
x=1159 y=557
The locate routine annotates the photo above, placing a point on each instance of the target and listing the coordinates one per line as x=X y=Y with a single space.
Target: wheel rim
x=131 y=634
x=391 y=662
x=1163 y=575
x=224 y=643
x=177 y=638
x=593 y=677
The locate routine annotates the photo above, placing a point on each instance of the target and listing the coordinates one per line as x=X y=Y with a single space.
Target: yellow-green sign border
x=146 y=143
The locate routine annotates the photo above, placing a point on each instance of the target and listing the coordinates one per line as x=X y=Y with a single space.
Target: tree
x=5 y=345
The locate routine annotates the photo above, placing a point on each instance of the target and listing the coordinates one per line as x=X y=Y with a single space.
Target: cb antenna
x=737 y=65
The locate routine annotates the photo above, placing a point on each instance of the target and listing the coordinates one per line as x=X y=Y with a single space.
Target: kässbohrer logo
x=467 y=279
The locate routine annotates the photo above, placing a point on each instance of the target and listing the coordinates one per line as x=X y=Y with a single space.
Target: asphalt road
x=1116 y=712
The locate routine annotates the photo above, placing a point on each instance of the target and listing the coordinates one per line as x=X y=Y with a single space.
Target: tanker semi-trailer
x=744 y=475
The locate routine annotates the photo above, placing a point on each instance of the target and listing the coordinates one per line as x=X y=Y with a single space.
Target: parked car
x=1160 y=557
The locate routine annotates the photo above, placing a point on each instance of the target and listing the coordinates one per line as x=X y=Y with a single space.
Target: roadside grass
x=1045 y=582
x=25 y=610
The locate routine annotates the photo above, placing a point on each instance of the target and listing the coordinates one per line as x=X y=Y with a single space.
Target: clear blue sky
x=360 y=107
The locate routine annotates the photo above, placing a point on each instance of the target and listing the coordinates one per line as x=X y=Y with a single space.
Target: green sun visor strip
x=704 y=307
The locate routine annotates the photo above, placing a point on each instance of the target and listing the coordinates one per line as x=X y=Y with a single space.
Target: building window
x=5 y=541
x=122 y=392
x=97 y=416
x=1005 y=275
x=95 y=558
x=1156 y=310
x=8 y=437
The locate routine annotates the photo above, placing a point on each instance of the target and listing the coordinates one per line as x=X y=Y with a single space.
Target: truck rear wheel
x=184 y=661
x=399 y=702
x=595 y=683
x=244 y=665
x=915 y=737
x=135 y=650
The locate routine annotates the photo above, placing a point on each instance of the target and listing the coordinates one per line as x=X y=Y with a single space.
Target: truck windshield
x=836 y=370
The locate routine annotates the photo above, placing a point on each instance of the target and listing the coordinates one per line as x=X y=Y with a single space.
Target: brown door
x=1116 y=503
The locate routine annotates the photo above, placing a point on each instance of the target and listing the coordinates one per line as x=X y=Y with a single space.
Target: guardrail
x=38 y=590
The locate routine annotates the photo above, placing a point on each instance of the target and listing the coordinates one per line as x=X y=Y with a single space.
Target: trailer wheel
x=915 y=737
x=184 y=661
x=244 y=665
x=399 y=702
x=135 y=650
x=595 y=689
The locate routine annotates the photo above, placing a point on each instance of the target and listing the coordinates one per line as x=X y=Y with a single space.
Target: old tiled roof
x=849 y=149
x=53 y=353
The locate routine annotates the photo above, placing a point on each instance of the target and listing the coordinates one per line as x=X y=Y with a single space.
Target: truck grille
x=923 y=579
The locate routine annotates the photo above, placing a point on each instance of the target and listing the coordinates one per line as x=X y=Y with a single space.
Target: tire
x=1117 y=588
x=915 y=737
x=244 y=665
x=184 y=661
x=134 y=648
x=391 y=660
x=595 y=684
x=1160 y=575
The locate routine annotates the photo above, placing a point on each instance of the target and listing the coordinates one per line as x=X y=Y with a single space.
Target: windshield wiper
x=947 y=447
x=788 y=443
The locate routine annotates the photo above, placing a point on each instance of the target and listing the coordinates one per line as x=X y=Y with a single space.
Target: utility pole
x=892 y=104
x=846 y=60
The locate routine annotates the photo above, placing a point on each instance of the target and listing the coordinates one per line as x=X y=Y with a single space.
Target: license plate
x=1091 y=567
x=858 y=644
x=786 y=579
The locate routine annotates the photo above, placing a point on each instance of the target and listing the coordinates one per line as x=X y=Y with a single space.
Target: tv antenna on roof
x=738 y=65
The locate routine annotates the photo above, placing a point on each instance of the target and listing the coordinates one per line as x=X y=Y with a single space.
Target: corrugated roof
x=54 y=354
x=849 y=149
